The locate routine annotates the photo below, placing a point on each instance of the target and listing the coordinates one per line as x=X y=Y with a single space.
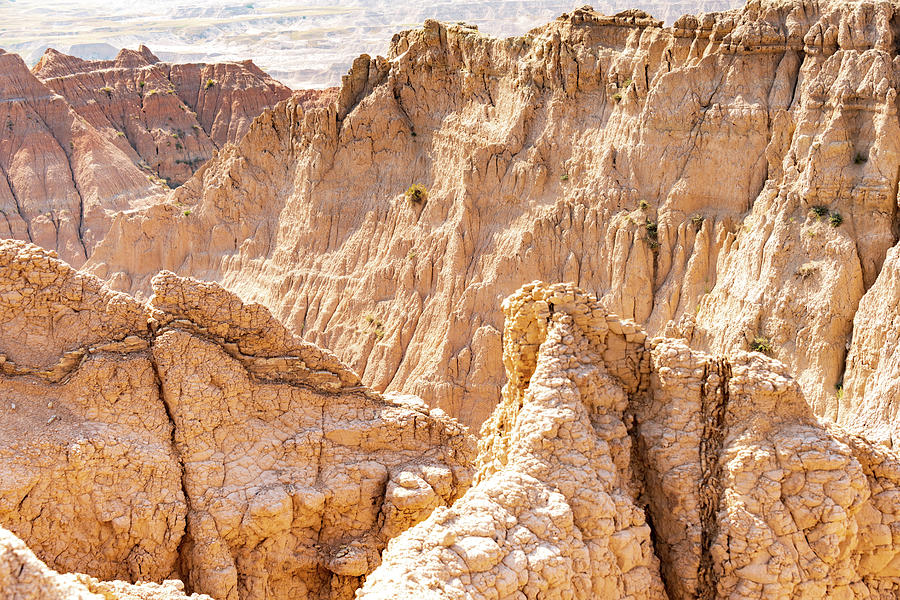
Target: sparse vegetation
x=627 y=83
x=106 y=90
x=179 y=146
x=806 y=270
x=9 y=124
x=839 y=391
x=860 y=158
x=141 y=84
x=697 y=221
x=761 y=344
x=151 y=93
x=120 y=134
x=187 y=212
x=416 y=193
x=644 y=205
x=210 y=83
x=835 y=219
x=412 y=255
x=819 y=210
x=564 y=177
x=652 y=237
x=617 y=97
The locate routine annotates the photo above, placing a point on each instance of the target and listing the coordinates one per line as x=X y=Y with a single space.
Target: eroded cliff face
x=729 y=178
x=194 y=437
x=84 y=140
x=170 y=117
x=60 y=176
x=746 y=493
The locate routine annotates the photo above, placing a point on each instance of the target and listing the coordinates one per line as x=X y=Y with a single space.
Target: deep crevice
x=713 y=409
x=181 y=562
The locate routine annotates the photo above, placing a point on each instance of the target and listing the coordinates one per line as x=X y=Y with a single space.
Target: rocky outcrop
x=85 y=140
x=170 y=118
x=23 y=576
x=731 y=179
x=194 y=437
x=60 y=176
x=746 y=494
x=553 y=512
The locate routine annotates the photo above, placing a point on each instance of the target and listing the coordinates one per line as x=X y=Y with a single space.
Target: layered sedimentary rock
x=84 y=140
x=169 y=117
x=747 y=494
x=60 y=176
x=23 y=577
x=731 y=179
x=194 y=437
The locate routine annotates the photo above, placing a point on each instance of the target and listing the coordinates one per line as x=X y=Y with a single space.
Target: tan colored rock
x=749 y=496
x=24 y=577
x=195 y=437
x=670 y=170
x=553 y=513
x=870 y=397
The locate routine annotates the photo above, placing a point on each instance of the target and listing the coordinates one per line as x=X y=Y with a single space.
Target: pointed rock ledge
x=615 y=463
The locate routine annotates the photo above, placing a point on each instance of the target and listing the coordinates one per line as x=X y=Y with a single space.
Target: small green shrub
x=860 y=158
x=697 y=221
x=617 y=97
x=627 y=83
x=141 y=84
x=179 y=146
x=412 y=255
x=106 y=90
x=564 y=177
x=819 y=210
x=835 y=219
x=839 y=391
x=187 y=213
x=644 y=205
x=210 y=82
x=761 y=344
x=416 y=193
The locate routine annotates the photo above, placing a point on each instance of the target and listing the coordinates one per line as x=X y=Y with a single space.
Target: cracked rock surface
x=194 y=437
x=746 y=493
x=727 y=178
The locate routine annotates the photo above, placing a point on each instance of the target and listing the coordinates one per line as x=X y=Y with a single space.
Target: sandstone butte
x=82 y=140
x=704 y=410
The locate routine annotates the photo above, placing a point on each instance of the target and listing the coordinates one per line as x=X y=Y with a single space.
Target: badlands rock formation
x=24 y=577
x=83 y=140
x=731 y=179
x=194 y=437
x=748 y=495
x=172 y=117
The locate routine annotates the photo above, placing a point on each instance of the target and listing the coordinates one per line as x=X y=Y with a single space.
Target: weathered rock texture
x=194 y=437
x=749 y=496
x=24 y=577
x=553 y=513
x=170 y=117
x=84 y=140
x=60 y=176
x=733 y=176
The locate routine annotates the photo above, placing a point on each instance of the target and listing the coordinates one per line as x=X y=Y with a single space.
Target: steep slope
x=170 y=117
x=195 y=437
x=729 y=178
x=749 y=496
x=59 y=175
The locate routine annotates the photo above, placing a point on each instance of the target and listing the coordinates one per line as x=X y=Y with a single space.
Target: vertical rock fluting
x=740 y=163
